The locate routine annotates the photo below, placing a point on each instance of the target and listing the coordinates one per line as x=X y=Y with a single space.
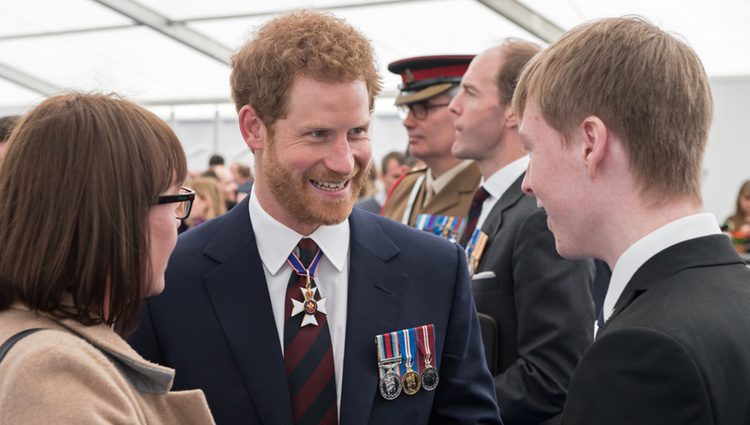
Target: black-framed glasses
x=184 y=201
x=418 y=110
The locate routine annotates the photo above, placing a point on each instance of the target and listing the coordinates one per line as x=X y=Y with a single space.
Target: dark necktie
x=308 y=354
x=474 y=211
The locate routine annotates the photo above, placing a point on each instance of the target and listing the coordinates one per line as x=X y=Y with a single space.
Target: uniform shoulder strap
x=7 y=345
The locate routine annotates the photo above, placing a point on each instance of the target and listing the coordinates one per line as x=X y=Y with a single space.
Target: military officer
x=446 y=186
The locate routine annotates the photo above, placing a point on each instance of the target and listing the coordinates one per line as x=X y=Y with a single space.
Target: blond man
x=616 y=116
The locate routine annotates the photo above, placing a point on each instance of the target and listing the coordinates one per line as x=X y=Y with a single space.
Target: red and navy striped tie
x=475 y=210
x=308 y=354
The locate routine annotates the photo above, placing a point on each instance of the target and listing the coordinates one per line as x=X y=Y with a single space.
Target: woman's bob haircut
x=80 y=175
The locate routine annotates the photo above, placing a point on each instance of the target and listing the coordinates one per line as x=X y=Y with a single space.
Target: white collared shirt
x=680 y=230
x=275 y=241
x=499 y=183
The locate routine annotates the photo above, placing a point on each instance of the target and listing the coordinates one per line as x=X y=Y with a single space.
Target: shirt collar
x=682 y=229
x=503 y=178
x=438 y=184
x=275 y=240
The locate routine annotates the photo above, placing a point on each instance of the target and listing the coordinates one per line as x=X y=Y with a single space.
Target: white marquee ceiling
x=176 y=52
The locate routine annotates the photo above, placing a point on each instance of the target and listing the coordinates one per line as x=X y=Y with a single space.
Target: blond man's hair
x=305 y=43
x=649 y=88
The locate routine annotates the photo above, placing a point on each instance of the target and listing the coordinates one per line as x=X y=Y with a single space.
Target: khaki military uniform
x=454 y=200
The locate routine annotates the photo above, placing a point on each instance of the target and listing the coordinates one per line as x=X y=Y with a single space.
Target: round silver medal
x=430 y=378
x=390 y=385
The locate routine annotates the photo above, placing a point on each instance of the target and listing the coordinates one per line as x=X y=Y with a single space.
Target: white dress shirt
x=499 y=183
x=275 y=241
x=680 y=230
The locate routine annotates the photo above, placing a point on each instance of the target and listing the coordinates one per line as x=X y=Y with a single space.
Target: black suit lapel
x=495 y=218
x=239 y=294
x=375 y=289
x=705 y=251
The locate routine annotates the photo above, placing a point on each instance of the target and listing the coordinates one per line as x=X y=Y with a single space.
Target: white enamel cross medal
x=309 y=305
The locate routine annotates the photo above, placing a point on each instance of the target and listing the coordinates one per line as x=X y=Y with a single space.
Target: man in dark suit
x=273 y=337
x=540 y=304
x=616 y=116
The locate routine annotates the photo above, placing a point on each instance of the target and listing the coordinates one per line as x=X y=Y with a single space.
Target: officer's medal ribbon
x=309 y=305
x=426 y=344
x=475 y=249
x=410 y=380
x=389 y=361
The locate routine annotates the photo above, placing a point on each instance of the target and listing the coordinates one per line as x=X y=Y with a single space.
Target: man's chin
x=329 y=213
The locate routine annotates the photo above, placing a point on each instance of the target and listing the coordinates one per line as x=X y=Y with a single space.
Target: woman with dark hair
x=91 y=200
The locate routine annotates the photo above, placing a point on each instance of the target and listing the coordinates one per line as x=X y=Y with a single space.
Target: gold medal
x=411 y=382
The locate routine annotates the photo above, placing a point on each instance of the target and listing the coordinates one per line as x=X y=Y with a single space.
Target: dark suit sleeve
x=144 y=339
x=465 y=393
x=555 y=319
x=637 y=376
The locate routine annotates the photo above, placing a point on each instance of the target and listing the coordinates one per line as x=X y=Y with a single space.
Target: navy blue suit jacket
x=214 y=325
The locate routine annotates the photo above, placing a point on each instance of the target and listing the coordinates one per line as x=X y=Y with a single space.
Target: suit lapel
x=375 y=295
x=511 y=196
x=239 y=294
x=705 y=251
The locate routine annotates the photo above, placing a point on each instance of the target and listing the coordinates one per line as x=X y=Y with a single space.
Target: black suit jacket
x=677 y=348
x=214 y=325
x=542 y=306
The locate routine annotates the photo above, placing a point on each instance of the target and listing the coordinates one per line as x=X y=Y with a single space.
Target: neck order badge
x=309 y=305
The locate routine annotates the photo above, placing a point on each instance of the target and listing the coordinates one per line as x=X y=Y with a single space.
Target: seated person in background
x=392 y=166
x=88 y=224
x=209 y=201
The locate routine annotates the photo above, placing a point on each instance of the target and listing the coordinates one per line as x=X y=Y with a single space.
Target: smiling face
x=311 y=170
x=557 y=177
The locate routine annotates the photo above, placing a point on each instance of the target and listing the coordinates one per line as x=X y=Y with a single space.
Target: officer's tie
x=308 y=354
x=474 y=211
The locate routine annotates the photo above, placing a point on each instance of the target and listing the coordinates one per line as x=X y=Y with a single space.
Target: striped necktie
x=475 y=210
x=308 y=354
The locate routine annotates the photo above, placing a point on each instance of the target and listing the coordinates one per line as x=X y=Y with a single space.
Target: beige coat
x=58 y=376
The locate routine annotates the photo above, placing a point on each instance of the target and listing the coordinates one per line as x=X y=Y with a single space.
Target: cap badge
x=408 y=76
